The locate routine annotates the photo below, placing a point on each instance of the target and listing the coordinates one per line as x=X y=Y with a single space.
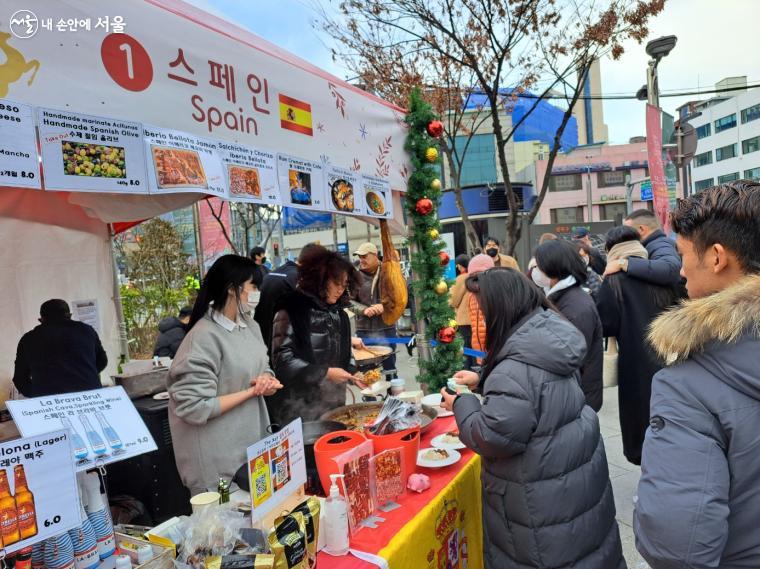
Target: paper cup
x=204 y=500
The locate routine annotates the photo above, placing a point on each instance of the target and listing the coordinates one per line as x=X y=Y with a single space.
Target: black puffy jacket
x=308 y=337
x=171 y=332
x=547 y=496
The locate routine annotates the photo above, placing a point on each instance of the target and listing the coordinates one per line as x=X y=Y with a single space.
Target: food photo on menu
x=376 y=201
x=300 y=187
x=244 y=181
x=342 y=193
x=178 y=168
x=93 y=160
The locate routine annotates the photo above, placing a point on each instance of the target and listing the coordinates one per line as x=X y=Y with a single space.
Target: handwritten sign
x=103 y=424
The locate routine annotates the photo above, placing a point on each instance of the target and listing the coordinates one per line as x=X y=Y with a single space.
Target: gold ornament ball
x=454 y=324
x=431 y=154
x=441 y=287
x=433 y=233
x=436 y=184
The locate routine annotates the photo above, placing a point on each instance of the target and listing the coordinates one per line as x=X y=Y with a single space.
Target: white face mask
x=253 y=299
x=540 y=278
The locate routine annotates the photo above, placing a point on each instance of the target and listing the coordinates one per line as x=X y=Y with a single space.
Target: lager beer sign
x=38 y=490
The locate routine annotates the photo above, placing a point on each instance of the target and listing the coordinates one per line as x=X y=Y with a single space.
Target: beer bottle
x=27 y=515
x=8 y=517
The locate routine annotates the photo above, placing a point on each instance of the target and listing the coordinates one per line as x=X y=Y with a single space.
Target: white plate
x=453 y=458
x=438 y=442
x=377 y=388
x=434 y=400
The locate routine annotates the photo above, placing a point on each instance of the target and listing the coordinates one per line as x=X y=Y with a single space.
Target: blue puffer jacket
x=663 y=267
x=699 y=494
x=547 y=497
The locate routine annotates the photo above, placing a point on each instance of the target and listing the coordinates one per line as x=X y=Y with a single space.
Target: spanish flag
x=295 y=115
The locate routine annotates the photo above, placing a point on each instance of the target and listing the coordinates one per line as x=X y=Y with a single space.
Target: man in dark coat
x=699 y=494
x=597 y=260
x=171 y=332
x=60 y=355
x=259 y=256
x=663 y=267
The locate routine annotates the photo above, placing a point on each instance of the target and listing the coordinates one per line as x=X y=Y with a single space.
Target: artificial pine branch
x=426 y=266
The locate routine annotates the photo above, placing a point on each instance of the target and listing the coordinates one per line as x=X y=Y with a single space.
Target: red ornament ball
x=444 y=257
x=435 y=129
x=424 y=206
x=447 y=334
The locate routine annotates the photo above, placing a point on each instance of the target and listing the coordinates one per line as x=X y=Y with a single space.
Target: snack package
x=288 y=542
x=354 y=465
x=387 y=476
x=310 y=510
x=257 y=561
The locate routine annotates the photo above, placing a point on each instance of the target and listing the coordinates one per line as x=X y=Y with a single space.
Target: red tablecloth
x=374 y=541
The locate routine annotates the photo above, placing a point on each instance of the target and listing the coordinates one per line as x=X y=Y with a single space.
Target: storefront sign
x=18 y=146
x=104 y=424
x=38 y=489
x=301 y=182
x=344 y=191
x=181 y=162
x=277 y=468
x=91 y=153
x=377 y=197
x=656 y=168
x=251 y=173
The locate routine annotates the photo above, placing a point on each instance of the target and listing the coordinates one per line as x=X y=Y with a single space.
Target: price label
x=18 y=146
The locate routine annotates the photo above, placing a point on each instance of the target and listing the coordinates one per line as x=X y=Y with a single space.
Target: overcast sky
x=716 y=39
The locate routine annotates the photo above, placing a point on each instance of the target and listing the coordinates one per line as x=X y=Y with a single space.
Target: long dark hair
x=318 y=266
x=505 y=296
x=559 y=259
x=227 y=272
x=620 y=234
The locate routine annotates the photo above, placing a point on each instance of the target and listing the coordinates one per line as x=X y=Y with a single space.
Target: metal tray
x=364 y=409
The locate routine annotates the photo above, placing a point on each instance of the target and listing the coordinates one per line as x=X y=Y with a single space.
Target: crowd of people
x=263 y=347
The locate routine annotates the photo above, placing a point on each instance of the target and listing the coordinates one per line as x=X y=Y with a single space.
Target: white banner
x=251 y=174
x=84 y=152
x=183 y=69
x=18 y=146
x=302 y=183
x=182 y=162
x=376 y=193
x=104 y=424
x=38 y=489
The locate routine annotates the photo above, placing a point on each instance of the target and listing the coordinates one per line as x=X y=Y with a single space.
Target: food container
x=331 y=445
x=204 y=500
x=143 y=384
x=397 y=386
x=162 y=558
x=407 y=440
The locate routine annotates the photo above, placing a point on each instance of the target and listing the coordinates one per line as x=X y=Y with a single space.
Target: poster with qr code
x=277 y=468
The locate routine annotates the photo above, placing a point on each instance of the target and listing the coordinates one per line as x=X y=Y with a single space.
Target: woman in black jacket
x=547 y=497
x=311 y=340
x=562 y=273
x=627 y=306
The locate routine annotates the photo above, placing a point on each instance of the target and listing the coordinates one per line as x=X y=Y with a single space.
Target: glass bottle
x=25 y=510
x=8 y=516
x=80 y=448
x=108 y=431
x=96 y=441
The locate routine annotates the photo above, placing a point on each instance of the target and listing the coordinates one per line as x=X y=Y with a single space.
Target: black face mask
x=263 y=260
x=492 y=252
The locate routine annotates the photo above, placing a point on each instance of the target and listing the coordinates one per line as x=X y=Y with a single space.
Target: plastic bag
x=354 y=465
x=387 y=476
x=395 y=416
x=215 y=530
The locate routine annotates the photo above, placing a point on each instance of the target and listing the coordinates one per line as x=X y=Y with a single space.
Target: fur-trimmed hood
x=725 y=317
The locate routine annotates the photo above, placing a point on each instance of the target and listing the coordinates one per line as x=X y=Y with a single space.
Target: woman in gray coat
x=547 y=497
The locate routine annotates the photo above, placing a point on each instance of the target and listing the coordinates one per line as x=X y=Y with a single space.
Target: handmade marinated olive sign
x=277 y=468
x=104 y=425
x=18 y=146
x=251 y=173
x=38 y=490
x=89 y=153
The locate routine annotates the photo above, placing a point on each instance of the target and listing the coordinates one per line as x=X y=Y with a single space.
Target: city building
x=601 y=167
x=728 y=132
x=589 y=112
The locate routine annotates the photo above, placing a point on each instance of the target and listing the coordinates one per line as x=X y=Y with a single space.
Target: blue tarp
x=297 y=219
x=542 y=124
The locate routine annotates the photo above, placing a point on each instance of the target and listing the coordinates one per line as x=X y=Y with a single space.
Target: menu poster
x=251 y=173
x=301 y=182
x=88 y=153
x=179 y=162
x=18 y=146
x=342 y=186
x=38 y=489
x=103 y=423
x=277 y=468
x=376 y=193
x=86 y=311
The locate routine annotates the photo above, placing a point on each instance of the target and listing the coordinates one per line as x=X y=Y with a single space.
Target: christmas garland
x=423 y=198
